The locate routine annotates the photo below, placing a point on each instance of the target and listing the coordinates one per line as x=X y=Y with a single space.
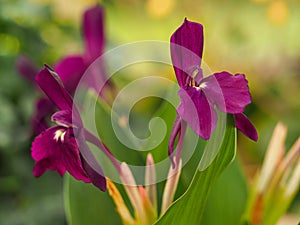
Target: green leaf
x=227 y=198
x=87 y=205
x=190 y=207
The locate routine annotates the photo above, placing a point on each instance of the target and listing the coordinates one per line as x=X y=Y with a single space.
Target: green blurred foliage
x=257 y=37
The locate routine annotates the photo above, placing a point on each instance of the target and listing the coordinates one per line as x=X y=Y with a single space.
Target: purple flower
x=57 y=148
x=71 y=68
x=198 y=95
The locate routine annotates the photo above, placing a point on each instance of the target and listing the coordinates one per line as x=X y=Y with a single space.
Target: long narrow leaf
x=189 y=208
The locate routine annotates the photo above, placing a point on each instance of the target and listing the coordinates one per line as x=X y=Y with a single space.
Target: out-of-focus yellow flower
x=278 y=12
x=160 y=9
x=71 y=10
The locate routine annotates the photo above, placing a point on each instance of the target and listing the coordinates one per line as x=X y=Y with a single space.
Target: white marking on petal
x=62 y=137
x=60 y=134
x=203 y=85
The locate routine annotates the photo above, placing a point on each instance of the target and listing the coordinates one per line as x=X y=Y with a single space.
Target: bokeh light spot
x=278 y=12
x=10 y=45
x=159 y=9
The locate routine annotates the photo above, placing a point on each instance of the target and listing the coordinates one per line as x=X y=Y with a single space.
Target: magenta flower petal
x=199 y=95
x=55 y=149
x=27 y=68
x=245 y=126
x=70 y=70
x=178 y=130
x=43 y=108
x=89 y=162
x=186 y=51
x=93 y=29
x=96 y=178
x=43 y=165
x=175 y=130
x=197 y=111
x=63 y=118
x=230 y=93
x=53 y=88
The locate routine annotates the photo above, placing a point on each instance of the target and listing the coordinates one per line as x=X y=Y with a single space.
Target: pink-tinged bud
x=145 y=213
x=132 y=190
x=150 y=181
x=144 y=199
x=291 y=165
x=273 y=156
x=171 y=185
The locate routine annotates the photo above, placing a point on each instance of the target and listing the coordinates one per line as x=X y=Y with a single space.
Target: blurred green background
x=259 y=38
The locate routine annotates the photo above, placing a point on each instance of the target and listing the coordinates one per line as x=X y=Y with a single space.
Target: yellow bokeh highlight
x=278 y=12
x=159 y=8
x=260 y=1
x=10 y=45
x=71 y=10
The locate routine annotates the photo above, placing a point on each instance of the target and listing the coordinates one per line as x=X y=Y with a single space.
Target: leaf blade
x=85 y=204
x=194 y=199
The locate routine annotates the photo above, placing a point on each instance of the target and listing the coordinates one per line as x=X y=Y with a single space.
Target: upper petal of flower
x=230 y=93
x=197 y=111
x=55 y=149
x=50 y=83
x=70 y=71
x=93 y=29
x=245 y=126
x=186 y=51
